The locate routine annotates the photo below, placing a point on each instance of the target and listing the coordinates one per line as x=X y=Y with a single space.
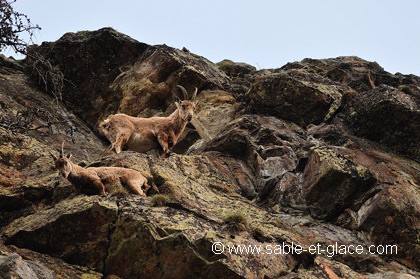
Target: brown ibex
x=99 y=180
x=144 y=134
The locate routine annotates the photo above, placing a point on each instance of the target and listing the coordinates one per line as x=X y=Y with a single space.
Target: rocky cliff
x=318 y=152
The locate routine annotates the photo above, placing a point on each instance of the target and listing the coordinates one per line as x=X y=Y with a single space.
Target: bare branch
x=12 y=25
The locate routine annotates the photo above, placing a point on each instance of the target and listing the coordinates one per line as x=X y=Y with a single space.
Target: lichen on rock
x=321 y=151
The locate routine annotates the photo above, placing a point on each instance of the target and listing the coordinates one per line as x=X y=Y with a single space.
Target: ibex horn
x=184 y=91
x=194 y=94
x=62 y=149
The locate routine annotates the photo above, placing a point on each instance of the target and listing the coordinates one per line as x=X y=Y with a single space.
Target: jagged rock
x=359 y=74
x=31 y=124
x=271 y=147
x=233 y=69
x=241 y=75
x=383 y=107
x=393 y=204
x=332 y=183
x=153 y=241
x=296 y=96
x=388 y=116
x=124 y=75
x=257 y=167
x=332 y=134
x=74 y=230
x=386 y=213
x=214 y=110
x=90 y=61
x=24 y=263
x=148 y=86
x=13 y=266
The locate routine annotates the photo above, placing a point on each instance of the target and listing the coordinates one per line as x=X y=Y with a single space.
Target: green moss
x=331 y=159
x=392 y=206
x=361 y=170
x=336 y=104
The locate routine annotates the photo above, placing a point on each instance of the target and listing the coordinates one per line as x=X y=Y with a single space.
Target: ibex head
x=187 y=106
x=62 y=163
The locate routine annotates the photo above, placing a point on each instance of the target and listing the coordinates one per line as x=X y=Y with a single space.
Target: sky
x=263 y=33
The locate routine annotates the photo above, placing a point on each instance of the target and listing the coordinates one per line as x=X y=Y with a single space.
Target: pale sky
x=263 y=33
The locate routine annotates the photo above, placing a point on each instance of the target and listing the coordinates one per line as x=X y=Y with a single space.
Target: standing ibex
x=99 y=180
x=144 y=134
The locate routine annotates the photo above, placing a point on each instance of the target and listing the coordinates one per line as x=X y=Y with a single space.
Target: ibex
x=99 y=180
x=144 y=134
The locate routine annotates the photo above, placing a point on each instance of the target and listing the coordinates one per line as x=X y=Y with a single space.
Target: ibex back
x=144 y=134
x=99 y=180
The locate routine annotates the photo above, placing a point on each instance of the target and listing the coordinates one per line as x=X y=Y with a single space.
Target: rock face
x=332 y=183
x=55 y=231
x=296 y=96
x=318 y=152
x=387 y=115
x=105 y=53
x=24 y=263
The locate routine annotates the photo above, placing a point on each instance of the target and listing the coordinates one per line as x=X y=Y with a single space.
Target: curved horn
x=194 y=94
x=62 y=150
x=184 y=91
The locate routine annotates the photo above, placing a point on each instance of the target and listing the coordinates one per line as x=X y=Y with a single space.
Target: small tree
x=12 y=25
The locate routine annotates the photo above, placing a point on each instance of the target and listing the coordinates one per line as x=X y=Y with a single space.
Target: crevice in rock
x=111 y=229
x=179 y=206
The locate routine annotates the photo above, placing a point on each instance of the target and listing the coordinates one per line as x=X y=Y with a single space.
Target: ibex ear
x=177 y=102
x=68 y=156
x=194 y=94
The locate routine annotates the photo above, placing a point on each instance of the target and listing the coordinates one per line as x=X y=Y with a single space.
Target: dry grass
x=235 y=221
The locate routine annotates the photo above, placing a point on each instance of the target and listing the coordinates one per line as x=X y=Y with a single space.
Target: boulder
x=389 y=116
x=295 y=96
x=359 y=74
x=381 y=107
x=390 y=210
x=214 y=111
x=240 y=74
x=13 y=266
x=271 y=147
x=75 y=230
x=24 y=263
x=234 y=69
x=331 y=183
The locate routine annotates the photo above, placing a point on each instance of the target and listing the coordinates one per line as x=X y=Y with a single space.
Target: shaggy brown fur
x=99 y=180
x=144 y=134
